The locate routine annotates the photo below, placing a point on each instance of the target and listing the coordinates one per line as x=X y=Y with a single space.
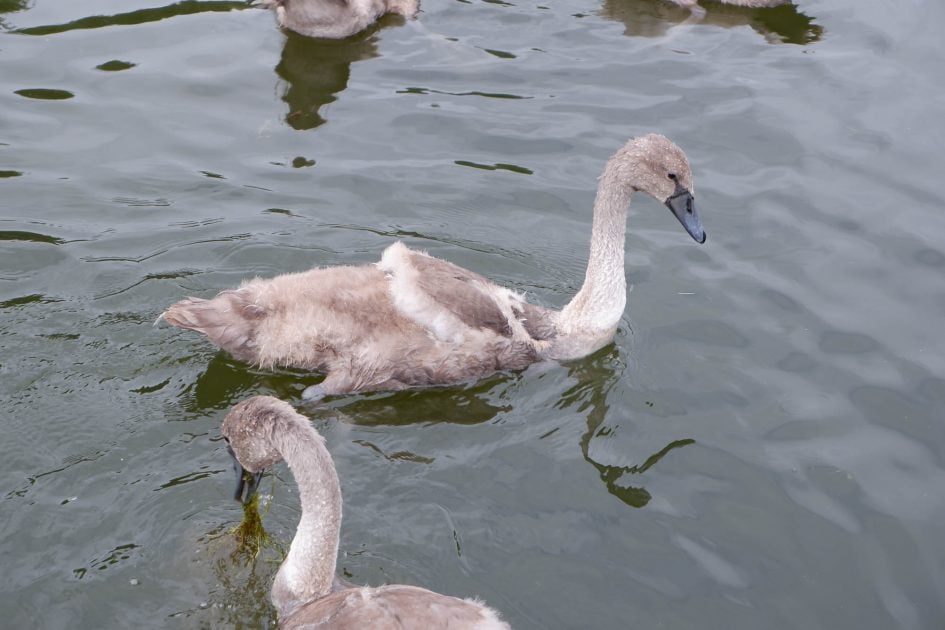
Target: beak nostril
x=683 y=208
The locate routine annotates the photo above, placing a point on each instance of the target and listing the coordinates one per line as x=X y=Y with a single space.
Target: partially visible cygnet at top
x=334 y=19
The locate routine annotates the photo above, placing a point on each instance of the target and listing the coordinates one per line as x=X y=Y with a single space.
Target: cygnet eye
x=672 y=176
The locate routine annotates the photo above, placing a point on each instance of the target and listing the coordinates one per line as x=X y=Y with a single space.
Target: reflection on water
x=45 y=94
x=114 y=556
x=9 y=6
x=455 y=405
x=227 y=381
x=141 y=16
x=241 y=582
x=315 y=70
x=115 y=65
x=653 y=18
x=596 y=377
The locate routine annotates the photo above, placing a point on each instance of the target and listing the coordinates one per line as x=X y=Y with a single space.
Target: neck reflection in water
x=596 y=376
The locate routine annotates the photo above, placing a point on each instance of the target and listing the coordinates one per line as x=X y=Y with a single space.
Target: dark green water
x=761 y=447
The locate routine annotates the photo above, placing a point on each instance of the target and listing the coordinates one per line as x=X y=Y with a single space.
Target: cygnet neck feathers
x=413 y=319
x=262 y=430
x=590 y=319
x=595 y=310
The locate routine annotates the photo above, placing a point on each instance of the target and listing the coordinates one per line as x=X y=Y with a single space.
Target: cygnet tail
x=229 y=321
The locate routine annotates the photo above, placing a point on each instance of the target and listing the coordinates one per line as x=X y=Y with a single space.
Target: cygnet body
x=334 y=19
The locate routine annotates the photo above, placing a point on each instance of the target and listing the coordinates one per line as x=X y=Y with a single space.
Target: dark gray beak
x=246 y=482
x=683 y=207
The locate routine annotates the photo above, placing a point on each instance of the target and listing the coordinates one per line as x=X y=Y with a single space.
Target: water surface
x=761 y=447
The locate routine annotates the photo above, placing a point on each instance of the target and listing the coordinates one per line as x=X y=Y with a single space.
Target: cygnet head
x=248 y=429
x=654 y=165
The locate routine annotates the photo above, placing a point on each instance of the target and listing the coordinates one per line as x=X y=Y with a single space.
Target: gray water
x=761 y=446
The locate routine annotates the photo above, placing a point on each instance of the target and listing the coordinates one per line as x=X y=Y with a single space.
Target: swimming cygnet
x=413 y=319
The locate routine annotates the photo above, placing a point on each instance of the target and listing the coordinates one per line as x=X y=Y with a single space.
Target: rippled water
x=761 y=447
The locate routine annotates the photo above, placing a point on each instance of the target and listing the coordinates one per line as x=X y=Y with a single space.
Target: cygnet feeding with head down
x=259 y=432
x=334 y=19
x=412 y=319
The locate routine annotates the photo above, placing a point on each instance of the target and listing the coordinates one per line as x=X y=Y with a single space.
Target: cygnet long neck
x=596 y=309
x=309 y=568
